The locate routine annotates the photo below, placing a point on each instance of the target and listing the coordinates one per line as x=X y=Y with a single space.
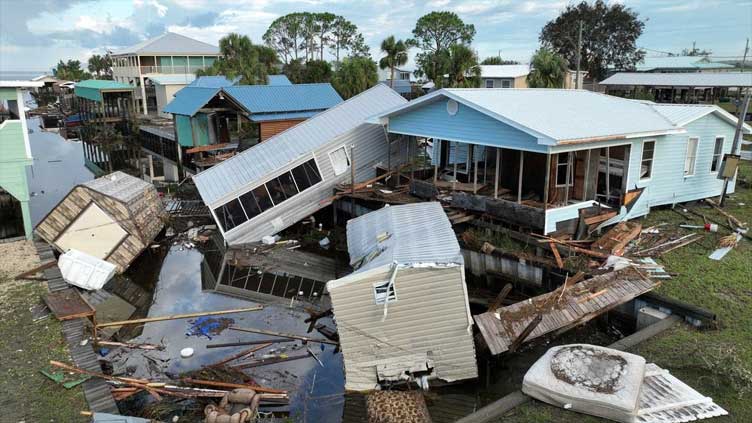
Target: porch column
x=586 y=179
x=151 y=167
x=496 y=175
x=475 y=170
x=546 y=182
x=519 y=180
x=570 y=159
x=454 y=182
x=436 y=147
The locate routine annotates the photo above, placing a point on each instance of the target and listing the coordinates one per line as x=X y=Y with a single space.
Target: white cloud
x=438 y=3
x=475 y=7
x=532 y=7
x=158 y=7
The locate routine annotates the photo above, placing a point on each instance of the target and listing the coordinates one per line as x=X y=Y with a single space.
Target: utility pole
x=577 y=84
x=746 y=49
x=735 y=145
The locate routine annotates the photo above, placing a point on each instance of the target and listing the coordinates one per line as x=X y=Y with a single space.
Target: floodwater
x=58 y=166
x=179 y=290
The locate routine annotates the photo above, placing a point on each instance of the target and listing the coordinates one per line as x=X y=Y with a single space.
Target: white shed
x=403 y=313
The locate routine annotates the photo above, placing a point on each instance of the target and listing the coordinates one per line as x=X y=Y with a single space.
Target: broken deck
x=578 y=304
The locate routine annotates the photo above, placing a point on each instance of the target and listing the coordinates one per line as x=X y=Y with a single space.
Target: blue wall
x=468 y=125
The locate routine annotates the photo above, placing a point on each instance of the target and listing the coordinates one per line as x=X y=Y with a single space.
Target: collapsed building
x=113 y=218
x=403 y=314
x=290 y=176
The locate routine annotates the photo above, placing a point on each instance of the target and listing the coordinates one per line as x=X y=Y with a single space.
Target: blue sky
x=35 y=34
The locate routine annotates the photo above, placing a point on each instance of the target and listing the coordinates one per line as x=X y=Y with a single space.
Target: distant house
x=15 y=157
x=166 y=86
x=167 y=54
x=403 y=82
x=113 y=218
x=678 y=87
x=541 y=158
x=291 y=175
x=404 y=313
x=515 y=76
x=681 y=64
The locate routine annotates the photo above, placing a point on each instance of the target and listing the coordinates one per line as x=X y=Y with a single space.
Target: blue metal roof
x=284 y=98
x=266 y=117
x=189 y=100
x=217 y=81
x=278 y=80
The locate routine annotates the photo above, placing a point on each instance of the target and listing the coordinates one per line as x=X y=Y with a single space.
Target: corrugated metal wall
x=429 y=317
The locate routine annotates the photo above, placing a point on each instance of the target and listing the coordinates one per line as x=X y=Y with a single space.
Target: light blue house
x=543 y=158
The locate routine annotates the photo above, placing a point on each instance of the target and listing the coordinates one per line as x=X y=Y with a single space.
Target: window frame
x=569 y=162
x=491 y=81
x=651 y=160
x=508 y=82
x=717 y=158
x=694 y=158
x=347 y=156
x=386 y=295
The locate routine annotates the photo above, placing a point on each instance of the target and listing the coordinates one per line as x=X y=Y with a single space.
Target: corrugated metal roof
x=170 y=43
x=214 y=81
x=266 y=117
x=503 y=71
x=677 y=79
x=683 y=114
x=284 y=98
x=103 y=84
x=178 y=79
x=288 y=146
x=406 y=234
x=119 y=185
x=189 y=100
x=679 y=62
x=278 y=80
x=556 y=114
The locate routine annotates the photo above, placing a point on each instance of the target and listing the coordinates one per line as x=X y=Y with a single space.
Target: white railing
x=171 y=69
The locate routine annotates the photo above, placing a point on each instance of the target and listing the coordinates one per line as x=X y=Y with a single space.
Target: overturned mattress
x=615 y=385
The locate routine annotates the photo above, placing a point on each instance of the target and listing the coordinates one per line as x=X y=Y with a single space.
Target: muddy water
x=178 y=290
x=58 y=166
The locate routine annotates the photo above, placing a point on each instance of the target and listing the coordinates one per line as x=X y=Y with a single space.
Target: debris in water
x=209 y=326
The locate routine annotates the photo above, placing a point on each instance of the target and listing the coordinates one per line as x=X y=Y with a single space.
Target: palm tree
x=240 y=57
x=396 y=55
x=547 y=70
x=463 y=68
x=95 y=64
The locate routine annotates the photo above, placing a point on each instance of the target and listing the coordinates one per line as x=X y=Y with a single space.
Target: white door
x=93 y=232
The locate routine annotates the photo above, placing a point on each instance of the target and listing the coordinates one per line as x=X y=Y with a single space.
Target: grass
x=26 y=348
x=716 y=362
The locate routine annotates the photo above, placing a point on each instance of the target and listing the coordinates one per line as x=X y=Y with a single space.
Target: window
x=489 y=83
x=564 y=161
x=262 y=198
x=404 y=75
x=288 y=185
x=506 y=83
x=717 y=153
x=230 y=214
x=380 y=292
x=276 y=191
x=646 y=166
x=250 y=205
x=306 y=175
x=340 y=161
x=691 y=156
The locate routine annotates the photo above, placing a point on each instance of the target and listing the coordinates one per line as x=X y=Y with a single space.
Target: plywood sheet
x=94 y=232
x=68 y=304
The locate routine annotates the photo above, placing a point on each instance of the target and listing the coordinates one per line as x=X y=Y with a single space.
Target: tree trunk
x=391 y=81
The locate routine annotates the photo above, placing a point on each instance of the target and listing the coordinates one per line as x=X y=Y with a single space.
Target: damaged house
x=113 y=218
x=290 y=176
x=545 y=159
x=404 y=313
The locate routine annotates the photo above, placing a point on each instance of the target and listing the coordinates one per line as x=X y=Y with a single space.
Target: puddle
x=315 y=391
x=58 y=166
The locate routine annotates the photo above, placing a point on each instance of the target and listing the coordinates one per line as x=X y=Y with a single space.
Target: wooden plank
x=68 y=304
x=557 y=256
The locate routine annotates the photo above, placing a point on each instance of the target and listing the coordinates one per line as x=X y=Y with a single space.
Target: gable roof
x=679 y=79
x=189 y=100
x=556 y=115
x=170 y=43
x=119 y=185
x=260 y=160
x=280 y=79
x=504 y=71
x=406 y=234
x=92 y=89
x=679 y=62
x=264 y=101
x=684 y=114
x=214 y=81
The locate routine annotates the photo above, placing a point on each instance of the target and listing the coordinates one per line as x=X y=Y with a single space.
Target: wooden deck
x=96 y=391
x=579 y=303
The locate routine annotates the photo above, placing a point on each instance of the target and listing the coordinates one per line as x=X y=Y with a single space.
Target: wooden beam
x=525 y=333
x=496 y=174
x=557 y=256
x=500 y=298
x=519 y=180
x=176 y=317
x=547 y=182
x=284 y=335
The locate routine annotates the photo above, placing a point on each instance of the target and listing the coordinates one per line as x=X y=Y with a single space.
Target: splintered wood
x=561 y=309
x=616 y=239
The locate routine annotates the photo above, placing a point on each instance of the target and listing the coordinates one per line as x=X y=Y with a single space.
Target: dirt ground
x=17 y=257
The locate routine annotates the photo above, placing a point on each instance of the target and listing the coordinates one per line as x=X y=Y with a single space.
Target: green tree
x=433 y=34
x=395 y=55
x=462 y=67
x=354 y=75
x=284 y=36
x=548 y=70
x=310 y=34
x=295 y=71
x=497 y=60
x=317 y=71
x=343 y=34
x=240 y=57
x=609 y=36
x=359 y=48
x=100 y=66
x=70 y=71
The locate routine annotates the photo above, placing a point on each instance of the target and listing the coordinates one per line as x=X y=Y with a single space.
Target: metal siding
x=185 y=133
x=692 y=79
x=468 y=125
x=429 y=315
x=235 y=175
x=284 y=98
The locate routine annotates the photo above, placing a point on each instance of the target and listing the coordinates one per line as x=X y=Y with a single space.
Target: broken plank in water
x=242 y=343
x=228 y=385
x=177 y=316
x=284 y=335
